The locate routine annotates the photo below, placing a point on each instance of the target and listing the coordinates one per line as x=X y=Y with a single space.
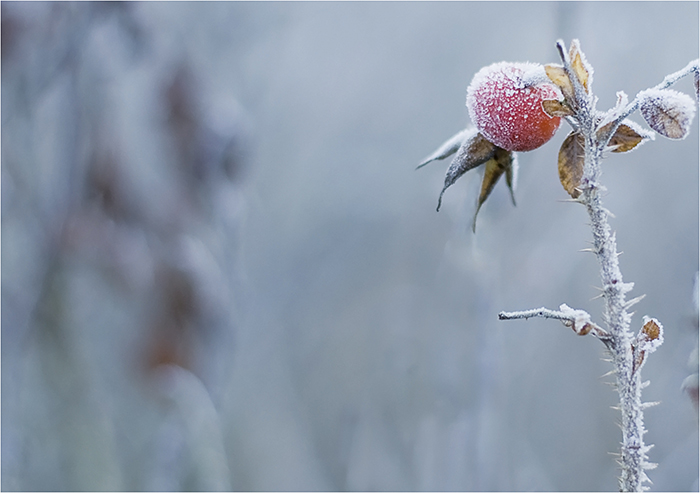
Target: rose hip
x=505 y=103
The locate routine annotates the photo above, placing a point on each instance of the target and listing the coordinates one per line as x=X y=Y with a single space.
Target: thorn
x=605 y=375
x=587 y=250
x=634 y=301
x=619 y=253
x=597 y=296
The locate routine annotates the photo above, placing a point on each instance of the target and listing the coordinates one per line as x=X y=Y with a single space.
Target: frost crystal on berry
x=505 y=103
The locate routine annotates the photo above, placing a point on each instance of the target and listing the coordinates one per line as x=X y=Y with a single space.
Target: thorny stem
x=618 y=338
x=633 y=450
x=633 y=458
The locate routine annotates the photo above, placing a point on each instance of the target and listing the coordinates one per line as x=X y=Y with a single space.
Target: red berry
x=505 y=104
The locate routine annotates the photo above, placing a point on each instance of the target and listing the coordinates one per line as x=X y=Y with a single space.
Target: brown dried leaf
x=579 y=67
x=560 y=78
x=640 y=358
x=472 y=153
x=512 y=176
x=571 y=162
x=651 y=329
x=668 y=112
x=556 y=108
x=495 y=167
x=625 y=138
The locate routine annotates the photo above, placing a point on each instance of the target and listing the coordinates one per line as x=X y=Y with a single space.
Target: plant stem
x=629 y=385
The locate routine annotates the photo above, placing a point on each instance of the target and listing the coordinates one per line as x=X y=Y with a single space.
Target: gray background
x=221 y=271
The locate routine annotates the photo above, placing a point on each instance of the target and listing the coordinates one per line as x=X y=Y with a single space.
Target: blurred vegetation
x=219 y=270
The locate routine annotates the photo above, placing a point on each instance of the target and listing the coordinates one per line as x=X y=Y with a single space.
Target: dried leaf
x=449 y=147
x=495 y=167
x=560 y=78
x=580 y=67
x=651 y=329
x=474 y=151
x=668 y=112
x=512 y=176
x=650 y=336
x=556 y=108
x=571 y=162
x=640 y=358
x=627 y=136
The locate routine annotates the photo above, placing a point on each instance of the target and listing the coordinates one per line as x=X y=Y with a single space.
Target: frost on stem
x=515 y=109
x=670 y=114
x=578 y=320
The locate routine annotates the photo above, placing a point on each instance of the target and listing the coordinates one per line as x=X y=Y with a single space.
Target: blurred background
x=220 y=270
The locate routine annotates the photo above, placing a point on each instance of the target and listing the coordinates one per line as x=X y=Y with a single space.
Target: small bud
x=652 y=334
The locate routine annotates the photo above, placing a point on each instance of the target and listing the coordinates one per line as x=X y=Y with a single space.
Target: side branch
x=578 y=320
x=669 y=80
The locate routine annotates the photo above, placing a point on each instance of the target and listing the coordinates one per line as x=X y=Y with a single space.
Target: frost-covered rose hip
x=505 y=104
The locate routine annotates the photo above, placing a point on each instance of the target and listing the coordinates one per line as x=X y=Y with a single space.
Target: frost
x=504 y=102
x=651 y=336
x=473 y=152
x=581 y=320
x=668 y=112
x=450 y=146
x=533 y=74
x=629 y=135
x=615 y=112
x=581 y=68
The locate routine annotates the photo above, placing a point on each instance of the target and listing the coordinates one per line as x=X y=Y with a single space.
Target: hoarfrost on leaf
x=449 y=147
x=668 y=112
x=474 y=151
x=651 y=336
x=629 y=135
